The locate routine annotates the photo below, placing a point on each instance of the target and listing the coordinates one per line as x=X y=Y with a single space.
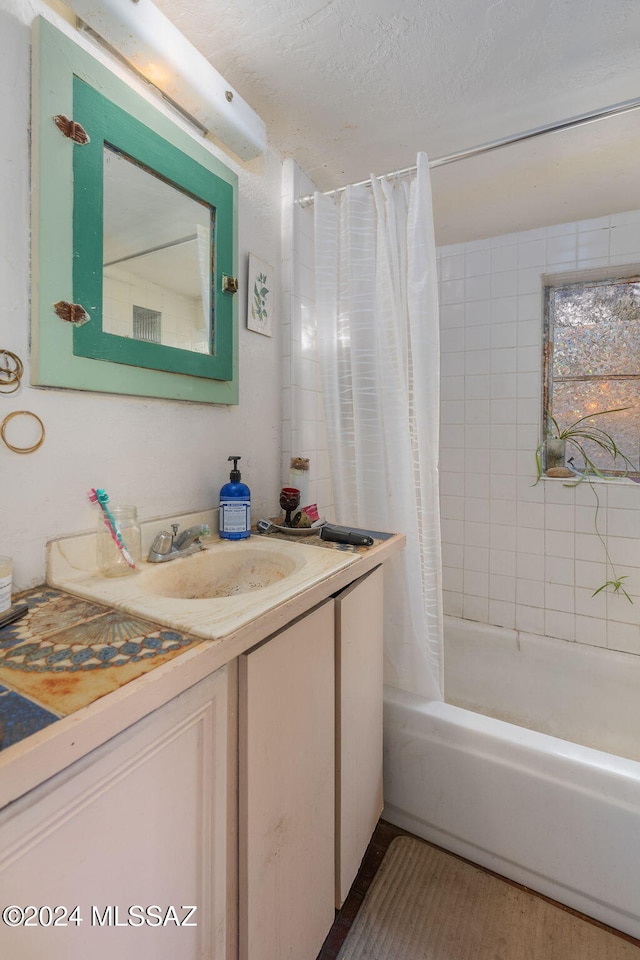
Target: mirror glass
x=158 y=258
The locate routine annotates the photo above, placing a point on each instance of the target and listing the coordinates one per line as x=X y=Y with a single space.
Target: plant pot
x=555 y=452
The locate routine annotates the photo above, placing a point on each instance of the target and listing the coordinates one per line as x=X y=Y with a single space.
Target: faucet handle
x=162 y=544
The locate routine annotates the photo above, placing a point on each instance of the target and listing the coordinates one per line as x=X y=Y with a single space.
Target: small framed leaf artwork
x=260 y=296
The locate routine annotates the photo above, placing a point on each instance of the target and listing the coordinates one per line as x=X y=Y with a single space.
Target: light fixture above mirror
x=147 y=40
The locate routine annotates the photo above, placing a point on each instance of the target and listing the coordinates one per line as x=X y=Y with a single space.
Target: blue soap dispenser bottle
x=235 y=507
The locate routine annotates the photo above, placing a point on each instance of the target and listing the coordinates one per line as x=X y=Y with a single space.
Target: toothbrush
x=101 y=497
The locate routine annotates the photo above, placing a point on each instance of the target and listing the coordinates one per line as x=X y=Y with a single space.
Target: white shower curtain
x=378 y=343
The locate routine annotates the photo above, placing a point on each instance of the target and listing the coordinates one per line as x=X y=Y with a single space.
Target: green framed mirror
x=135 y=231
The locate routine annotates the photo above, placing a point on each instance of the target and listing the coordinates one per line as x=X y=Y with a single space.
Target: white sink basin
x=210 y=594
x=220 y=572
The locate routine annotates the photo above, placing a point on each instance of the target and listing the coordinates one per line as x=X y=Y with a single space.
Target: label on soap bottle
x=234 y=516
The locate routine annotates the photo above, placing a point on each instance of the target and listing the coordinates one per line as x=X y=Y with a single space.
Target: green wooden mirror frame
x=67 y=247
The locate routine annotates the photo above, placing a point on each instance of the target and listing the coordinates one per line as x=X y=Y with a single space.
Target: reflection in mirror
x=158 y=258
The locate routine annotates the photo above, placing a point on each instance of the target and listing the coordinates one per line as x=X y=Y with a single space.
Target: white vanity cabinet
x=143 y=821
x=359 y=682
x=287 y=789
x=310 y=710
x=243 y=778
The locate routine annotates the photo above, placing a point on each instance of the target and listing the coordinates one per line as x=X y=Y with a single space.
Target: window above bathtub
x=591 y=362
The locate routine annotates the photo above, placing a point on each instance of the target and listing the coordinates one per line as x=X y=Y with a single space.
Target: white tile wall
x=182 y=319
x=517 y=554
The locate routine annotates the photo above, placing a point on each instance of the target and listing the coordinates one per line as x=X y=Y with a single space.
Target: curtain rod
x=581 y=120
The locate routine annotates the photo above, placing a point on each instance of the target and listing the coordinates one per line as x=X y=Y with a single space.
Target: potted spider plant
x=583 y=436
x=551 y=454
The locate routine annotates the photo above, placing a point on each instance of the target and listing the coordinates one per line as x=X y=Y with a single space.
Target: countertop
x=76 y=672
x=66 y=653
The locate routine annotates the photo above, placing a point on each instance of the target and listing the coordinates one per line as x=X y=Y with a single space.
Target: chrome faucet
x=168 y=546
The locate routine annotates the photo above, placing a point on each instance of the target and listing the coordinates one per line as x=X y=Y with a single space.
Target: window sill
x=575 y=480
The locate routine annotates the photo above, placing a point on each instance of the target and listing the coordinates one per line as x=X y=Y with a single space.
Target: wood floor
x=384 y=834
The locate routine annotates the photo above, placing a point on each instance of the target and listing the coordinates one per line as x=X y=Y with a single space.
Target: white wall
x=515 y=554
x=164 y=456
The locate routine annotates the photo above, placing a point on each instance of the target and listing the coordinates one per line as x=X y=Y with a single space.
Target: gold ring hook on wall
x=22 y=413
x=11 y=371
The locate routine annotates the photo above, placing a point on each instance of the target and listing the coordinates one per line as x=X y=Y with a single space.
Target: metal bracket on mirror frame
x=229 y=284
x=69 y=128
x=71 y=312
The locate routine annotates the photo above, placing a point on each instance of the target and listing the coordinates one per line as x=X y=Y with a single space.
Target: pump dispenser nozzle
x=234 y=476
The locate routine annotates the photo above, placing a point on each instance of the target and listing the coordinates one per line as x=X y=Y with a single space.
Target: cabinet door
x=359 y=663
x=286 y=823
x=142 y=821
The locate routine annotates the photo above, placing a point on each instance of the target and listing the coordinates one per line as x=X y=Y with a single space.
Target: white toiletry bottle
x=235 y=507
x=299 y=478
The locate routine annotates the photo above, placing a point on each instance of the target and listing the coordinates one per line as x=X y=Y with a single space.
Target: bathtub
x=534 y=805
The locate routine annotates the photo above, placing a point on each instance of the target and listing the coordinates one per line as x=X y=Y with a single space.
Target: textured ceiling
x=354 y=87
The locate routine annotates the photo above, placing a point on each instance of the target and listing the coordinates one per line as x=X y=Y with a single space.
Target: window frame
x=590 y=277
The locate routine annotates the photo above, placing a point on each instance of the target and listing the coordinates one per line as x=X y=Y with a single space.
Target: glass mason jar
x=111 y=562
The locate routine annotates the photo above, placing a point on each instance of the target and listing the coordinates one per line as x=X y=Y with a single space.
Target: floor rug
x=426 y=904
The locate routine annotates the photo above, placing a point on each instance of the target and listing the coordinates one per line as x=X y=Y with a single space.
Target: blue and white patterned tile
x=20 y=717
x=64 y=634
